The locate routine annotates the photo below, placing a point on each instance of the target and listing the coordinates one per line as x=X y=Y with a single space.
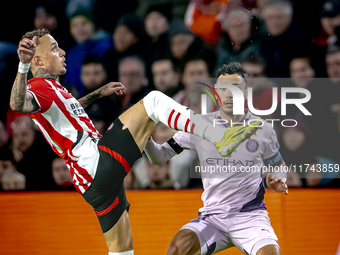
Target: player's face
x=51 y=56
x=226 y=95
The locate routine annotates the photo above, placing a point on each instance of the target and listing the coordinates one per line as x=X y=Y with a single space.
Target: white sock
x=121 y=253
x=162 y=108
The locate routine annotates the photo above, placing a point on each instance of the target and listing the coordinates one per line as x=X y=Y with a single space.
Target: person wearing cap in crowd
x=185 y=45
x=82 y=29
x=156 y=22
x=128 y=40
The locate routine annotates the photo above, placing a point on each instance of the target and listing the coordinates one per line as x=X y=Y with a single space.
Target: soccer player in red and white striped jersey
x=97 y=164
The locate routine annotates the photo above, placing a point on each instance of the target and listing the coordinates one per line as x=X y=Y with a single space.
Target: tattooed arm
x=106 y=90
x=21 y=100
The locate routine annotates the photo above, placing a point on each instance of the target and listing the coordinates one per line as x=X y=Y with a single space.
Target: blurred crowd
x=162 y=45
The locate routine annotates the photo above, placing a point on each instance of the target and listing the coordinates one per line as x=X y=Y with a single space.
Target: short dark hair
x=38 y=33
x=233 y=68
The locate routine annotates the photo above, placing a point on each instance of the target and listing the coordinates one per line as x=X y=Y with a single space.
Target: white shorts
x=248 y=231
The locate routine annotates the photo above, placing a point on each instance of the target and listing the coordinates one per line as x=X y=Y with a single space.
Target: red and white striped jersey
x=67 y=128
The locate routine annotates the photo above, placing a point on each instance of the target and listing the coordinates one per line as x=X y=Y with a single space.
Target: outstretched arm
x=21 y=100
x=106 y=90
x=161 y=153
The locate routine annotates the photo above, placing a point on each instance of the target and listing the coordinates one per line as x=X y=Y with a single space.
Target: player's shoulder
x=38 y=83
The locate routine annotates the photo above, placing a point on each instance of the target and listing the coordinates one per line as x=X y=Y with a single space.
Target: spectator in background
x=194 y=68
x=6 y=161
x=236 y=42
x=82 y=30
x=61 y=174
x=303 y=76
x=51 y=15
x=185 y=45
x=3 y=135
x=330 y=20
x=262 y=89
x=27 y=144
x=165 y=77
x=12 y=180
x=181 y=38
x=281 y=40
x=132 y=75
x=8 y=63
x=156 y=22
x=159 y=176
x=93 y=76
x=333 y=71
x=128 y=40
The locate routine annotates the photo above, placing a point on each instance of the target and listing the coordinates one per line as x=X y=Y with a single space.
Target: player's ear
x=37 y=61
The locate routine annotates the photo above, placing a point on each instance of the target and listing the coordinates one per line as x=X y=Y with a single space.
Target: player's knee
x=184 y=243
x=266 y=249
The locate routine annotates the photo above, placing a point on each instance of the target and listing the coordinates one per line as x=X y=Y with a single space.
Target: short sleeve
x=271 y=144
x=42 y=94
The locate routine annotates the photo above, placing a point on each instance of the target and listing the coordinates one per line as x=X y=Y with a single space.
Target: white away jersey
x=67 y=128
x=234 y=188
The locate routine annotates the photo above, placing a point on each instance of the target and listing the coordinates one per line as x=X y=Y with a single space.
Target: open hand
x=112 y=87
x=276 y=184
x=26 y=50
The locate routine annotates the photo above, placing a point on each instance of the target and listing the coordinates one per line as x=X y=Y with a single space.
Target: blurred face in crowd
x=226 y=95
x=93 y=75
x=237 y=25
x=164 y=75
x=157 y=173
x=60 y=172
x=301 y=71
x=123 y=38
x=333 y=66
x=277 y=19
x=23 y=133
x=330 y=23
x=82 y=29
x=13 y=180
x=6 y=165
x=44 y=20
x=255 y=75
x=155 y=24
x=180 y=44
x=132 y=75
x=293 y=138
x=194 y=69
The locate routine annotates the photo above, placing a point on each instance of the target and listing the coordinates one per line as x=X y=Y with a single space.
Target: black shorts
x=118 y=152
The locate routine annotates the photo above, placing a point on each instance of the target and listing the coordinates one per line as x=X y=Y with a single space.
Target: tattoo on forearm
x=21 y=100
x=44 y=73
x=87 y=100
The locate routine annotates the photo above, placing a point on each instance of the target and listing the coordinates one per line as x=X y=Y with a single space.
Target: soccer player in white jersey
x=234 y=212
x=98 y=164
